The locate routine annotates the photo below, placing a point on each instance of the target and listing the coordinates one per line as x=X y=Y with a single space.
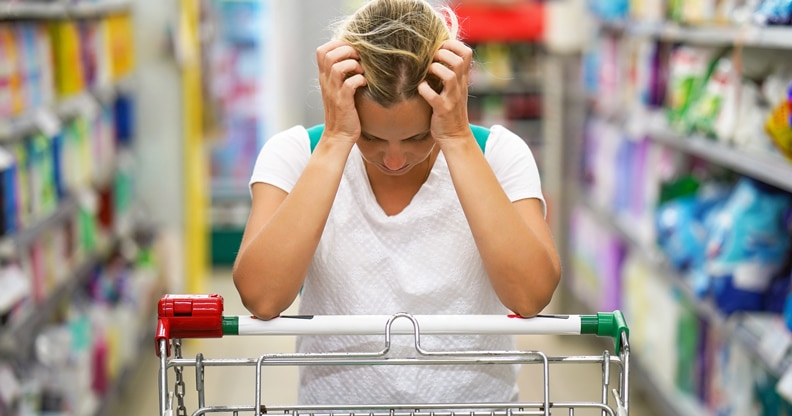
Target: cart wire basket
x=201 y=316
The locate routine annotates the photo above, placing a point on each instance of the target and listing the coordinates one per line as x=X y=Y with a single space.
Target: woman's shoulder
x=501 y=140
x=282 y=158
x=293 y=139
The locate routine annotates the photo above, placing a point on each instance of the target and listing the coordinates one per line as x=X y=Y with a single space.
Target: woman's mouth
x=395 y=171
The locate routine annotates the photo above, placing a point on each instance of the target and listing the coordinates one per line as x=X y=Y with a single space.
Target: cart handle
x=201 y=316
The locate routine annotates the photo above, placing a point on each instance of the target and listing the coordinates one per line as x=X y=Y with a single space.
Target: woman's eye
x=418 y=139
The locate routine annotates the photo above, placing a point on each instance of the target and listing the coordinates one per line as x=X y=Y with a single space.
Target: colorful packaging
x=23 y=209
x=747 y=245
x=67 y=51
x=120 y=41
x=689 y=70
x=773 y=12
x=779 y=125
x=11 y=97
x=8 y=179
x=705 y=111
x=45 y=64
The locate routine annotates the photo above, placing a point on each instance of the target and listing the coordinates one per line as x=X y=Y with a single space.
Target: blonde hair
x=396 y=41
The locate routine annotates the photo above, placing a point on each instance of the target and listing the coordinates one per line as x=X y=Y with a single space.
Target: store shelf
x=767 y=167
x=65 y=210
x=43 y=119
x=110 y=400
x=44 y=10
x=738 y=326
x=509 y=88
x=16 y=340
x=771 y=168
x=750 y=35
x=755 y=333
x=666 y=400
x=623 y=228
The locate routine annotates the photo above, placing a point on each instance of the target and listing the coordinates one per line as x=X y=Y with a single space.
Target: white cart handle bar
x=201 y=316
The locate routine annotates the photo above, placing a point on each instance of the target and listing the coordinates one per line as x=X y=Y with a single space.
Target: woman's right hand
x=340 y=75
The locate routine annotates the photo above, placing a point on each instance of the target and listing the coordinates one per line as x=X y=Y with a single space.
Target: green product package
x=690 y=69
x=704 y=111
x=688 y=334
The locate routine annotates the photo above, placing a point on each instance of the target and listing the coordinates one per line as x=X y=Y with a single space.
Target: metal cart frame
x=200 y=316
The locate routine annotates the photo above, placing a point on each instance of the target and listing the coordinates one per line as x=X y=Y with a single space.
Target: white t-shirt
x=422 y=260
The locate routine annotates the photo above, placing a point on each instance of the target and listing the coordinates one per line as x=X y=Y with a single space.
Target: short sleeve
x=514 y=165
x=282 y=159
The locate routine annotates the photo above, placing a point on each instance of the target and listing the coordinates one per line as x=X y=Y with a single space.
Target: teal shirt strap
x=315 y=133
x=479 y=132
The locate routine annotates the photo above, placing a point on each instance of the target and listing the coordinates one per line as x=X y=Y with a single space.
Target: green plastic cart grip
x=606 y=324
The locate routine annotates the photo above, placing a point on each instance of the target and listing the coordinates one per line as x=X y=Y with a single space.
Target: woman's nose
x=394 y=157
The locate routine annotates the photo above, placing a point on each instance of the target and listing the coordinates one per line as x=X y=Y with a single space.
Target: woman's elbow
x=535 y=300
x=262 y=310
x=258 y=304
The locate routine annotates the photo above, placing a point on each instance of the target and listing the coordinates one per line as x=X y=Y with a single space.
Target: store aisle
x=235 y=385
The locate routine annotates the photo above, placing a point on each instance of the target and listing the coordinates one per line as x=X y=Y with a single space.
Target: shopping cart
x=200 y=316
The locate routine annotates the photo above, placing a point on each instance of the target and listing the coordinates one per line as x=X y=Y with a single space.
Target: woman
x=397 y=209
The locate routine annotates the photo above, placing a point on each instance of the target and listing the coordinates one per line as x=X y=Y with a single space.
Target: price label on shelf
x=6 y=130
x=48 y=122
x=88 y=106
x=9 y=385
x=774 y=343
x=747 y=35
x=784 y=386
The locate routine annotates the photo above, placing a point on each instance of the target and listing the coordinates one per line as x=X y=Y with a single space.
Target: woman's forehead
x=400 y=121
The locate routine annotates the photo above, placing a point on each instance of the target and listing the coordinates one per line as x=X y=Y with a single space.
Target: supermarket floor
x=225 y=386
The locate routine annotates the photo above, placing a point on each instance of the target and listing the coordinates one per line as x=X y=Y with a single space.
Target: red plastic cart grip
x=189 y=316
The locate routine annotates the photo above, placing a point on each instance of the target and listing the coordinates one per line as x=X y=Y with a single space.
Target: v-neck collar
x=371 y=199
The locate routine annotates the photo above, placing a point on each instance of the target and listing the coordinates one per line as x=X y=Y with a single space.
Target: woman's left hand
x=452 y=64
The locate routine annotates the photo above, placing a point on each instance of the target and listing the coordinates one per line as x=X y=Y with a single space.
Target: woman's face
x=395 y=139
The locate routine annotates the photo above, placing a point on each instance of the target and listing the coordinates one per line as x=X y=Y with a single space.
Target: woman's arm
x=514 y=240
x=283 y=230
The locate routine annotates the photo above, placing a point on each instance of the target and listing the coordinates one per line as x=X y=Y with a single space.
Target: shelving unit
x=68 y=195
x=735 y=326
x=752 y=332
x=749 y=35
x=40 y=119
x=770 y=168
x=60 y=9
x=24 y=332
x=670 y=403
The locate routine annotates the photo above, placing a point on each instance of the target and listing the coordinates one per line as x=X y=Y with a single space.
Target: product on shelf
x=689 y=70
x=779 y=124
x=597 y=260
x=711 y=105
x=773 y=12
x=68 y=56
x=682 y=228
x=11 y=95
